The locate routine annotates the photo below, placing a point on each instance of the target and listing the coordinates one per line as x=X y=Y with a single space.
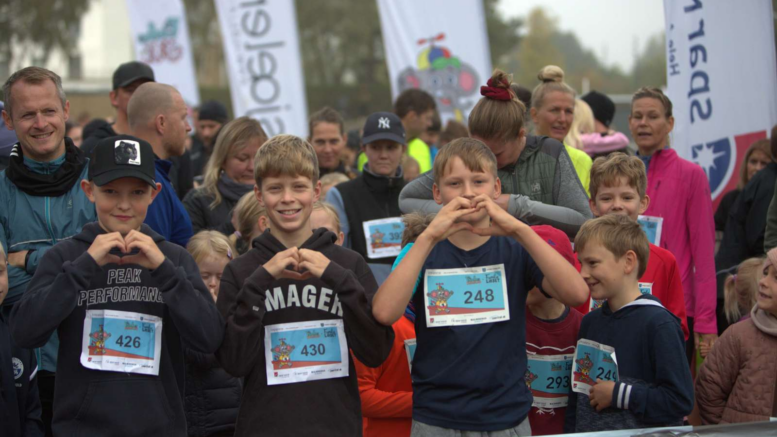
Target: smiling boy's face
x=288 y=201
x=121 y=204
x=621 y=198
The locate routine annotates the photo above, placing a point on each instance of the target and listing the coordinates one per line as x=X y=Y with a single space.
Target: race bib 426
x=465 y=296
x=121 y=341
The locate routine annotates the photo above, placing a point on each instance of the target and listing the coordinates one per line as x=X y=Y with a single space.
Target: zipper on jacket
x=48 y=221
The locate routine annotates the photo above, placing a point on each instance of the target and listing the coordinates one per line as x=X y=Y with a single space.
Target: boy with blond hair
x=618 y=186
x=478 y=263
x=300 y=304
x=629 y=369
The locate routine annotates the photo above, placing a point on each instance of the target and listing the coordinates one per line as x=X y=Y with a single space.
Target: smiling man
x=368 y=206
x=41 y=200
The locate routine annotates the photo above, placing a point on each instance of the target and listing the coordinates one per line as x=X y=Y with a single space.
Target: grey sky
x=611 y=28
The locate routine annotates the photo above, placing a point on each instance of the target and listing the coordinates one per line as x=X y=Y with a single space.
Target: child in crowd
x=386 y=391
x=124 y=302
x=618 y=186
x=410 y=168
x=629 y=369
x=551 y=335
x=325 y=216
x=330 y=180
x=295 y=304
x=19 y=400
x=212 y=395
x=431 y=136
x=250 y=220
x=741 y=290
x=738 y=382
x=368 y=206
x=478 y=263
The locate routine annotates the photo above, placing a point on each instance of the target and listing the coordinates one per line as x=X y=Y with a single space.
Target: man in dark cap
x=212 y=116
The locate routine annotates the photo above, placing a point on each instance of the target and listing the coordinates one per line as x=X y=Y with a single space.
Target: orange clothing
x=386 y=391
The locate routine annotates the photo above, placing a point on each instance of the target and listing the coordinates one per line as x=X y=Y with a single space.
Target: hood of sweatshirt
x=268 y=245
x=646 y=300
x=90 y=231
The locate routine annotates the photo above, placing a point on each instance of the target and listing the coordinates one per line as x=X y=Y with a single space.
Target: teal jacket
x=31 y=222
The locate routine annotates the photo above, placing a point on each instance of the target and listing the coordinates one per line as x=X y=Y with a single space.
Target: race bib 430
x=305 y=351
x=465 y=296
x=121 y=341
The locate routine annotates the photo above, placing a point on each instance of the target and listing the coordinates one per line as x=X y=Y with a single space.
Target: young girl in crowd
x=249 y=220
x=212 y=395
x=738 y=381
x=325 y=216
x=741 y=290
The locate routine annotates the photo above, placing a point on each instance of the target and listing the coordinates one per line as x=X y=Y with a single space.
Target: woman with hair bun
x=553 y=110
x=539 y=183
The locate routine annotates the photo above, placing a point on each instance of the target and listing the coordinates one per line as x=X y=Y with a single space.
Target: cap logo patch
x=383 y=123
x=127 y=152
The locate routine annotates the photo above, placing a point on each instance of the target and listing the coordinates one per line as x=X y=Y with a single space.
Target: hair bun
x=551 y=73
x=500 y=79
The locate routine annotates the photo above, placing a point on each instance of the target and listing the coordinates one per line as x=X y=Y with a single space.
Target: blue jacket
x=31 y=222
x=167 y=215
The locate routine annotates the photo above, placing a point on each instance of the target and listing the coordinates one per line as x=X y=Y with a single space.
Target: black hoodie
x=69 y=282
x=325 y=407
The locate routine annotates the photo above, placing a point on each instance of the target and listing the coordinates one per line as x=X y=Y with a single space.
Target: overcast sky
x=611 y=28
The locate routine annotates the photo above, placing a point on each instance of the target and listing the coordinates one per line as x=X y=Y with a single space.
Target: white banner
x=261 y=49
x=161 y=38
x=722 y=80
x=440 y=46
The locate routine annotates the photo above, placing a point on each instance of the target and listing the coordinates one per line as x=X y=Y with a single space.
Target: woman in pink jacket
x=679 y=194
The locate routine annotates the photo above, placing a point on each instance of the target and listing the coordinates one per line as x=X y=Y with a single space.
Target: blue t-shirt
x=472 y=377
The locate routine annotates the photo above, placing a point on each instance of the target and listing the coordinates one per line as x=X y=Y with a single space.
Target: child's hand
x=704 y=343
x=444 y=224
x=279 y=265
x=149 y=255
x=102 y=245
x=313 y=261
x=502 y=223
x=601 y=394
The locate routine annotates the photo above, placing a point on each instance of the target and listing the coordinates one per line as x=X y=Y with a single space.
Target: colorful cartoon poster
x=305 y=351
x=121 y=341
x=644 y=288
x=592 y=361
x=465 y=296
x=548 y=378
x=652 y=227
x=410 y=346
x=384 y=237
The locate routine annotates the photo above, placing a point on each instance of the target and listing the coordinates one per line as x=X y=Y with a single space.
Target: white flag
x=440 y=46
x=161 y=38
x=261 y=49
x=722 y=80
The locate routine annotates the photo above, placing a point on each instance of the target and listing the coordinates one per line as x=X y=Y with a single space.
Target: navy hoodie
x=69 y=282
x=253 y=300
x=20 y=410
x=655 y=387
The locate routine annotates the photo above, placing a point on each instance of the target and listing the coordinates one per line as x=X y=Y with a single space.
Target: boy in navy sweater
x=125 y=303
x=478 y=263
x=629 y=369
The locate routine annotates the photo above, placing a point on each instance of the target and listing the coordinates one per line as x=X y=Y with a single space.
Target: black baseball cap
x=122 y=156
x=383 y=126
x=130 y=72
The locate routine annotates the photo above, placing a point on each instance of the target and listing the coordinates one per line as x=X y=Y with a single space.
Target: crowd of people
x=411 y=278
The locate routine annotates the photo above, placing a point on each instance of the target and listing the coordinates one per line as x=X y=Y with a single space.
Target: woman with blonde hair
x=553 y=110
x=583 y=123
x=229 y=174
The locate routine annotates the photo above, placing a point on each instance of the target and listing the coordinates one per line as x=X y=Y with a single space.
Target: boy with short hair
x=299 y=305
x=629 y=369
x=618 y=186
x=368 y=206
x=124 y=302
x=477 y=262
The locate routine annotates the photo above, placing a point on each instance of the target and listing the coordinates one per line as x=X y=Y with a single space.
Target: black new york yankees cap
x=383 y=126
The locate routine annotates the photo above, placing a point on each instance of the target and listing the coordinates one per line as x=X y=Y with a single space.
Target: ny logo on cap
x=127 y=152
x=383 y=123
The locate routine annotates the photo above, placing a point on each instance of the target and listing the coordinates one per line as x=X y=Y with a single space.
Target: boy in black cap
x=123 y=301
x=368 y=206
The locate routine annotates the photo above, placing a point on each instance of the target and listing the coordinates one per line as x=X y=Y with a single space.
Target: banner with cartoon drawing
x=161 y=39
x=440 y=46
x=722 y=80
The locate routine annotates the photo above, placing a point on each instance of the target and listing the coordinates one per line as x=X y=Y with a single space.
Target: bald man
x=157 y=114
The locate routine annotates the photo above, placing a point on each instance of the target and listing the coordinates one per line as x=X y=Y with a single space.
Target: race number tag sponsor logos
x=410 y=346
x=592 y=361
x=465 y=296
x=384 y=237
x=548 y=378
x=121 y=341
x=305 y=351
